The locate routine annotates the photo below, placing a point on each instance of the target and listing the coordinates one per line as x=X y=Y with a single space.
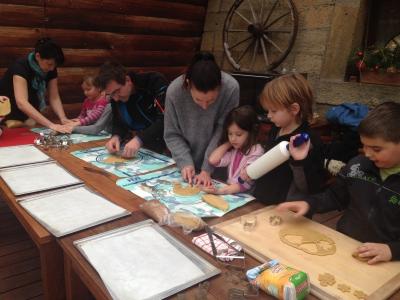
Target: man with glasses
x=137 y=101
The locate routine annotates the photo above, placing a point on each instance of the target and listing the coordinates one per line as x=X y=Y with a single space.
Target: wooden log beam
x=25 y=37
x=30 y=16
x=149 y=8
x=96 y=57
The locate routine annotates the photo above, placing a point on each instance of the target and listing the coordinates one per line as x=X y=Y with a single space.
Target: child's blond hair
x=89 y=80
x=286 y=90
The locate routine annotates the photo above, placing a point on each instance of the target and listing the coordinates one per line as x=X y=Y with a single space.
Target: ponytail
x=203 y=72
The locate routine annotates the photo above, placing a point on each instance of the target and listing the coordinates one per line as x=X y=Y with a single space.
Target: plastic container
x=280 y=281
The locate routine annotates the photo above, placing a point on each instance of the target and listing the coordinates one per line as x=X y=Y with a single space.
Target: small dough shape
x=14 y=124
x=275 y=220
x=216 y=201
x=188 y=221
x=5 y=108
x=326 y=279
x=307 y=240
x=114 y=159
x=185 y=190
x=344 y=288
x=358 y=257
x=360 y=294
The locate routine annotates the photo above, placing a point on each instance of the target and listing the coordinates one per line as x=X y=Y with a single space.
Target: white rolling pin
x=273 y=158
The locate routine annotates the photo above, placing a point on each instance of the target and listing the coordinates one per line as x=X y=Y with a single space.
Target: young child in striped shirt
x=93 y=106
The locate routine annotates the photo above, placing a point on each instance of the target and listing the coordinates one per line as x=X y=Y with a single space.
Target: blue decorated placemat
x=159 y=185
x=76 y=137
x=144 y=161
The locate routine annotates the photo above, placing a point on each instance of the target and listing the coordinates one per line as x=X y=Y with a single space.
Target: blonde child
x=93 y=106
x=239 y=148
x=288 y=100
x=367 y=189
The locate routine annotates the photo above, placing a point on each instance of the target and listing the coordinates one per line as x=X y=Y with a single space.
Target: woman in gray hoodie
x=197 y=103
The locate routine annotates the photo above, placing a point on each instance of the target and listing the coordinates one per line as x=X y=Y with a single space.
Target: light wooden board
x=377 y=281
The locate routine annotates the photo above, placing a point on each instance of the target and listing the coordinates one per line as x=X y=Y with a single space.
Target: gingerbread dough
x=326 y=279
x=275 y=220
x=113 y=159
x=216 y=201
x=360 y=294
x=356 y=256
x=185 y=190
x=344 y=288
x=307 y=240
x=5 y=108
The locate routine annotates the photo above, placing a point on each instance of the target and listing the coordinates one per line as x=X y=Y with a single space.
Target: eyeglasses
x=113 y=93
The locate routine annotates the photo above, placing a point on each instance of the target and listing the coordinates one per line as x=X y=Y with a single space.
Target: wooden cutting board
x=263 y=242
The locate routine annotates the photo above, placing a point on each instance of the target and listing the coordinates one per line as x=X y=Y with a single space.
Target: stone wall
x=328 y=31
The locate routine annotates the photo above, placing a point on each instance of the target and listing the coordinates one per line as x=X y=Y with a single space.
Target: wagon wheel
x=259 y=34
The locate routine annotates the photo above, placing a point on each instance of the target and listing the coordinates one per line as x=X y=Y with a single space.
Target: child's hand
x=60 y=128
x=203 y=179
x=65 y=121
x=209 y=189
x=300 y=208
x=188 y=173
x=376 y=252
x=244 y=175
x=229 y=189
x=300 y=152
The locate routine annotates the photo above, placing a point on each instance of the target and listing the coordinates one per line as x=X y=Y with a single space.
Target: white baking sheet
x=142 y=261
x=71 y=209
x=37 y=177
x=21 y=155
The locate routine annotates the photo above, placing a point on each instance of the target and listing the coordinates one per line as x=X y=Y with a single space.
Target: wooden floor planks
x=20 y=277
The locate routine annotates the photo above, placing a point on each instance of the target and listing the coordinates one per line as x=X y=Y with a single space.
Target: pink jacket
x=227 y=161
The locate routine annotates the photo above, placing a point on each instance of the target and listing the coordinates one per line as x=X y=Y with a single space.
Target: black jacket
x=144 y=110
x=371 y=206
x=292 y=179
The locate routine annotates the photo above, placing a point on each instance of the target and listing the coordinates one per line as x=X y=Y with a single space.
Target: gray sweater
x=190 y=132
x=103 y=123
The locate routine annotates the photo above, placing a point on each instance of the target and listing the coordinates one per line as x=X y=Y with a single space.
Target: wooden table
x=81 y=280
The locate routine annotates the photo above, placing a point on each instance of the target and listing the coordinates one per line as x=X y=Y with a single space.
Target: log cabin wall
x=143 y=35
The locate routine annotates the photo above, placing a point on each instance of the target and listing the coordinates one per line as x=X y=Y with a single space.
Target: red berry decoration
x=360 y=65
x=360 y=53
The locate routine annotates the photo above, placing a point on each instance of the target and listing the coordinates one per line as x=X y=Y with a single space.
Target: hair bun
x=204 y=55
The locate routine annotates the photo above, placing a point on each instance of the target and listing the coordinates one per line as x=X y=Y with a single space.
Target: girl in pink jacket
x=238 y=148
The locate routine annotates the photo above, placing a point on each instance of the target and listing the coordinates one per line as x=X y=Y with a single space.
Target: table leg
x=74 y=287
x=51 y=261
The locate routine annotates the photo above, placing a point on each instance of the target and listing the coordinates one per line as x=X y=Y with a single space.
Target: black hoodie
x=371 y=206
x=293 y=179
x=144 y=110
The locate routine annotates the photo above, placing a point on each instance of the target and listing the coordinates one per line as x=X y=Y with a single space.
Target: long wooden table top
x=104 y=183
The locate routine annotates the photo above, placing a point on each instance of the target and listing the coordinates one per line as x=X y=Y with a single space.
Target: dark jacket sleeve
x=155 y=90
x=395 y=249
x=336 y=197
x=309 y=173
